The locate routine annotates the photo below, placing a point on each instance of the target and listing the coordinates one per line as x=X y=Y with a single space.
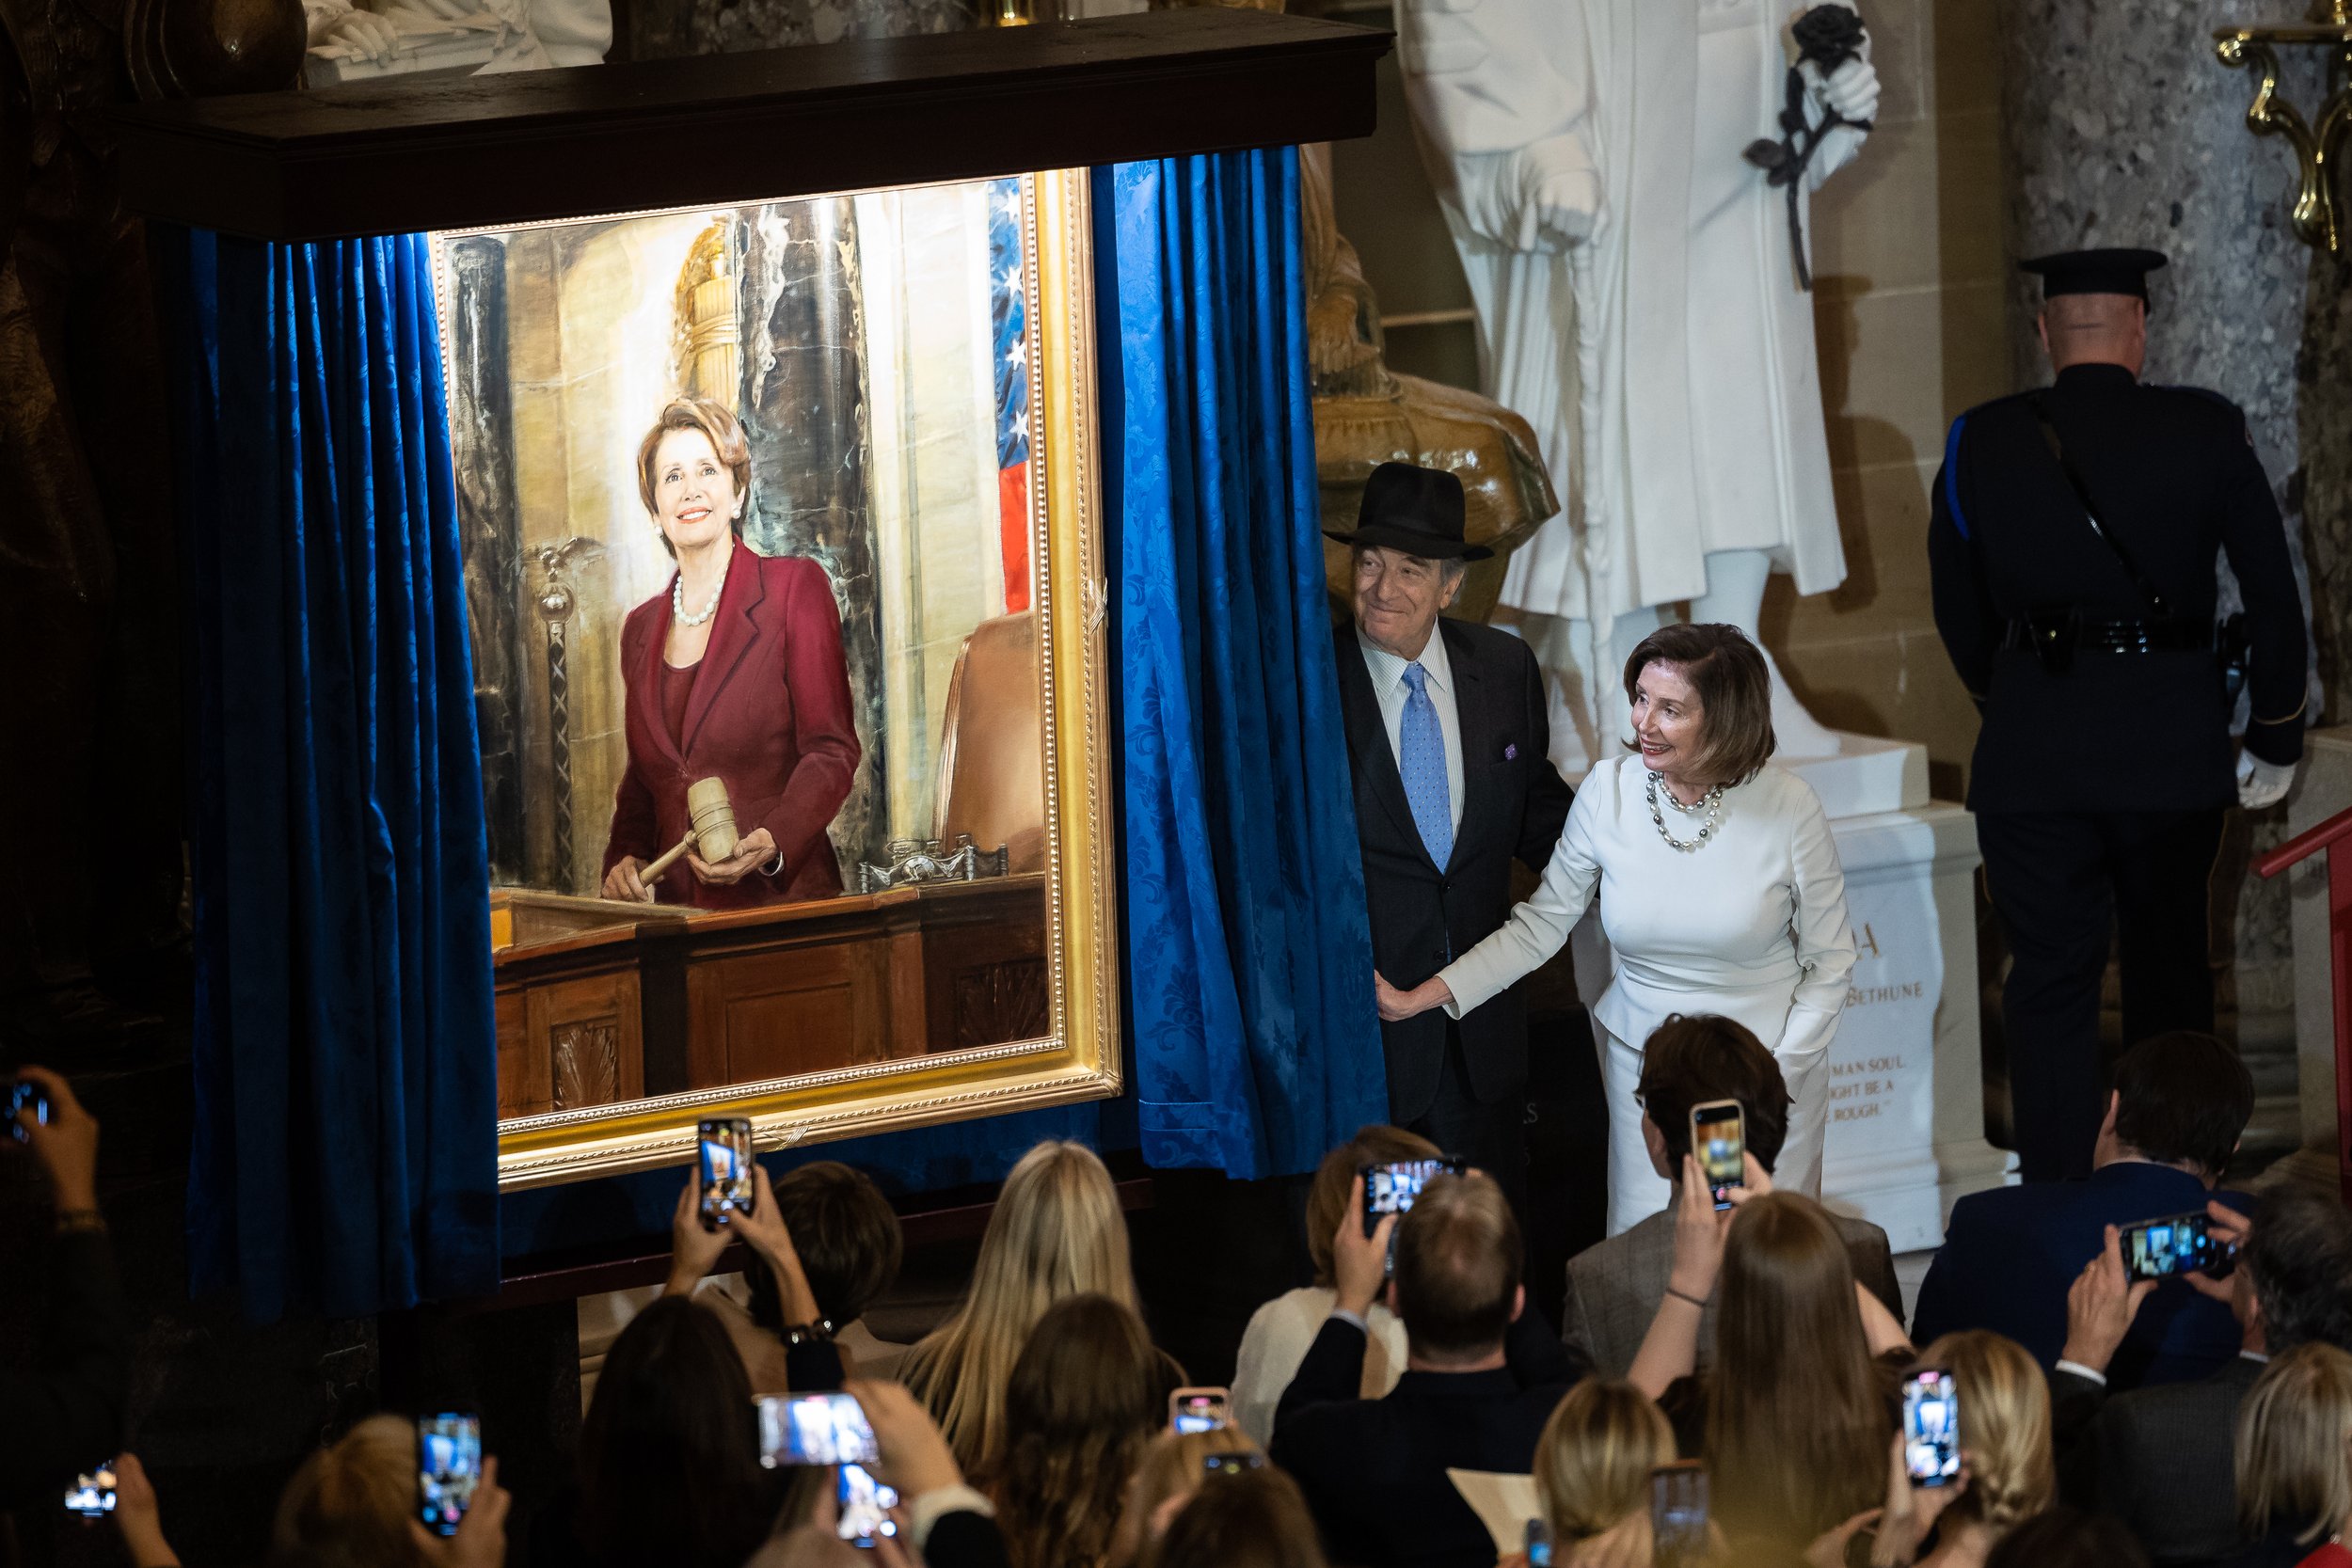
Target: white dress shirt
x=1751 y=925
x=1389 y=688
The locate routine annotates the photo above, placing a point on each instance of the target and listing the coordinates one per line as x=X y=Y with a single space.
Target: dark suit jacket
x=770 y=714
x=2009 y=1254
x=1514 y=806
x=2173 y=473
x=1614 y=1287
x=1375 y=1470
x=2162 y=1460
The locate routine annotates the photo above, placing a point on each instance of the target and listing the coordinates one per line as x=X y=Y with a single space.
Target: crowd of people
x=2204 y=1418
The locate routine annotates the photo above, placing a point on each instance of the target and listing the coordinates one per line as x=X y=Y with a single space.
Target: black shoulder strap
x=2091 y=510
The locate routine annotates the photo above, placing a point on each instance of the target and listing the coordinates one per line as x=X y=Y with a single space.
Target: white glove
x=1851 y=91
x=1559 y=197
x=2262 y=785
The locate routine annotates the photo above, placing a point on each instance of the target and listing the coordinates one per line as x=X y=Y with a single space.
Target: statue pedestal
x=1906 y=1098
x=1868 y=776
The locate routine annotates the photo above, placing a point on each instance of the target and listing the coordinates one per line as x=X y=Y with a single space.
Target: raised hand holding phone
x=693 y=1250
x=481 y=1538
x=1359 y=1261
x=2101 y=1305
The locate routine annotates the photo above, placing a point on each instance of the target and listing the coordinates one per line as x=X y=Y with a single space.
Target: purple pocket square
x=1511 y=752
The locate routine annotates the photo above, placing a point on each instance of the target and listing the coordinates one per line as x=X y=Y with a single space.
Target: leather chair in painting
x=991 y=767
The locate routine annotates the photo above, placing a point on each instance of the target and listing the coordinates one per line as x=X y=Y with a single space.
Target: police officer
x=2072 y=548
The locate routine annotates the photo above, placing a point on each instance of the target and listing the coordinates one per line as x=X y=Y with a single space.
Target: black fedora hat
x=1419 y=511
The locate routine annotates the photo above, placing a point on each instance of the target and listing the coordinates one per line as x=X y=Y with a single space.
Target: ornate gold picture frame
x=945 y=965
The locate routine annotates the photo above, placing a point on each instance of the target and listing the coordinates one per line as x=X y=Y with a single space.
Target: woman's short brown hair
x=1335 y=1179
x=725 y=433
x=1735 y=689
x=1692 y=1059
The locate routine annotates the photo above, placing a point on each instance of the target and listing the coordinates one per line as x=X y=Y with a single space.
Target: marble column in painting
x=804 y=410
x=2124 y=129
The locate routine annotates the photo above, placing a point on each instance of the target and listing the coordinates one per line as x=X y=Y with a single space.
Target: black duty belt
x=2061 y=634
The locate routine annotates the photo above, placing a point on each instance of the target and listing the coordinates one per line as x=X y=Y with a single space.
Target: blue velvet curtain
x=346 y=1063
x=1256 y=1043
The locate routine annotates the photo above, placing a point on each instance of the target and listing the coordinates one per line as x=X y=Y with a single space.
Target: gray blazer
x=1614 y=1287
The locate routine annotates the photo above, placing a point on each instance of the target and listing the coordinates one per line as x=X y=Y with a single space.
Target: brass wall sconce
x=2327 y=25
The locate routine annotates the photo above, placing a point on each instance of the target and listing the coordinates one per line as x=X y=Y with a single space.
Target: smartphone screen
x=2158 y=1249
x=92 y=1493
x=1537 y=1541
x=815 y=1428
x=1719 y=1138
x=727 y=1159
x=23 y=1094
x=1191 y=1410
x=1391 y=1189
x=1932 y=1428
x=448 y=1463
x=865 y=1505
x=1677 y=1513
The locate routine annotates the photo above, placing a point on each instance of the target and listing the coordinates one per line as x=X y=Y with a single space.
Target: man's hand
x=1360 y=1263
x=2226 y=1228
x=1397 y=1005
x=68 y=1146
x=752 y=851
x=2262 y=785
x=916 y=1459
x=764 y=1231
x=693 y=1251
x=2100 y=1306
x=481 y=1538
x=1850 y=91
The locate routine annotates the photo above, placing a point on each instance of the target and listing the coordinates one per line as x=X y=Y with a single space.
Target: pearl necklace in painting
x=1711 y=803
x=677 y=597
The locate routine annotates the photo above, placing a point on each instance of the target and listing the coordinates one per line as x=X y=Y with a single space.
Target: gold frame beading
x=1081 y=1059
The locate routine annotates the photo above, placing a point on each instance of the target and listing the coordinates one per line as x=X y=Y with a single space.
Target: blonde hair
x=1172 y=1466
x=1594 y=1460
x=1797 y=1423
x=352 y=1500
x=1056 y=1232
x=2295 y=1441
x=2004 y=1427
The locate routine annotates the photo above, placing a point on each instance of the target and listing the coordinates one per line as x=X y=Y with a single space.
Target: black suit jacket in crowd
x=1375 y=1470
x=2173 y=474
x=1423 y=915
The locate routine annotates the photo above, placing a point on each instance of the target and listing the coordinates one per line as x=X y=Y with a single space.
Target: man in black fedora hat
x=1451 y=748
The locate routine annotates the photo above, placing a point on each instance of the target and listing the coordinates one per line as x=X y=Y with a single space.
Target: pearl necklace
x=677 y=597
x=1711 y=803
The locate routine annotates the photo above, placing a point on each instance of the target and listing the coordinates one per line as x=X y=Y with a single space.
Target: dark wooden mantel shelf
x=397 y=154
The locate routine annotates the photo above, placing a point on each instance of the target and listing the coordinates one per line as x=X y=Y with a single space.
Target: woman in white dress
x=1719 y=892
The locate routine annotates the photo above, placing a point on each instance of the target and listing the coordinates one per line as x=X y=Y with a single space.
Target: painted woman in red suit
x=736 y=672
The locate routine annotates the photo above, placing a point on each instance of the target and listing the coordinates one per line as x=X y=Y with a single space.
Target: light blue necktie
x=1421 y=758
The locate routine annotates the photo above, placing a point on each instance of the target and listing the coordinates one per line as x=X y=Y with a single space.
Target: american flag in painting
x=1008 y=309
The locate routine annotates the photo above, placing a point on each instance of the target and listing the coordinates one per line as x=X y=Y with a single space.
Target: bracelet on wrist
x=1699 y=1302
x=818 y=1332
x=77 y=1221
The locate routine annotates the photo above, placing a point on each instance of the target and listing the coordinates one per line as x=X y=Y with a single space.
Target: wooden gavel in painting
x=706 y=807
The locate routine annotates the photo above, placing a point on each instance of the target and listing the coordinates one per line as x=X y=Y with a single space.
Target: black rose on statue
x=1827 y=36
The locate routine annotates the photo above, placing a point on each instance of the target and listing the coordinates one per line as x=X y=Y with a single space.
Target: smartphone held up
x=449 y=1468
x=725 y=1144
x=1719 y=1139
x=2174 y=1244
x=1931 y=1428
x=1193 y=1410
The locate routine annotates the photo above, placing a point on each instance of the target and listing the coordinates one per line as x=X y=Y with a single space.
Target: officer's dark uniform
x=2105 y=760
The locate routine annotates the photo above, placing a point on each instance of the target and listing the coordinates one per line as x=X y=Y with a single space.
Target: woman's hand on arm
x=1397 y=1005
x=753 y=852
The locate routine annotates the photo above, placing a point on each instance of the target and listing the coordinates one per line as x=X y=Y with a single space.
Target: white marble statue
x=1638 y=303
x=378 y=38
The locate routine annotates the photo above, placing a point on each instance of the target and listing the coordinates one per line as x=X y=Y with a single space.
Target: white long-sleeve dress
x=1752 y=926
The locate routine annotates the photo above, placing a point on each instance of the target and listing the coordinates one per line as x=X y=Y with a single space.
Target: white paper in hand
x=1504 y=1503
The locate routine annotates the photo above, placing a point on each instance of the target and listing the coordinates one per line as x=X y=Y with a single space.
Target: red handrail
x=2306 y=844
